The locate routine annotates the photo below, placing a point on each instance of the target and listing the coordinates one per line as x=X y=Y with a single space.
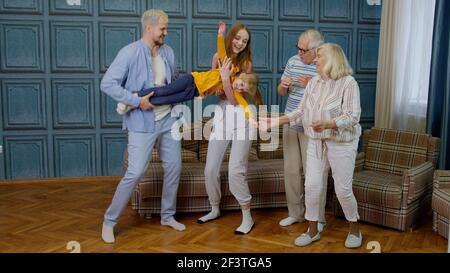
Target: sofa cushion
x=270 y=145
x=378 y=188
x=441 y=202
x=253 y=155
x=394 y=151
x=189 y=140
x=268 y=150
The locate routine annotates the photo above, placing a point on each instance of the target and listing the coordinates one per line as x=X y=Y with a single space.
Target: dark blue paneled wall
x=56 y=122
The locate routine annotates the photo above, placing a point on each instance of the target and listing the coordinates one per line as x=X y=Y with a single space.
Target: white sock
x=288 y=221
x=247 y=222
x=320 y=227
x=123 y=108
x=174 y=224
x=213 y=214
x=108 y=234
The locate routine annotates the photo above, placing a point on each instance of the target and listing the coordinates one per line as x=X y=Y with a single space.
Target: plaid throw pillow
x=395 y=151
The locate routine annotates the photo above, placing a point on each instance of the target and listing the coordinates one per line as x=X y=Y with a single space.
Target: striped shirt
x=294 y=69
x=330 y=100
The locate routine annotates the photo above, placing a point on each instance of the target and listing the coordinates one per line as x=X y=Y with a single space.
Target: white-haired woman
x=330 y=112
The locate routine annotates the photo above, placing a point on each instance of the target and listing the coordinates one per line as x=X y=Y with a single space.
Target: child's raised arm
x=221 y=42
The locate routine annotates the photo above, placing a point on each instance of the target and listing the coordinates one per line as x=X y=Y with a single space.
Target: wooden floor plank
x=44 y=215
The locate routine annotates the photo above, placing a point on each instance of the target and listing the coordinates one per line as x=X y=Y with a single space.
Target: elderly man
x=143 y=64
x=299 y=70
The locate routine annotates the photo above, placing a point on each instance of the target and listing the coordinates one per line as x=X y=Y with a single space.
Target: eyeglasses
x=303 y=51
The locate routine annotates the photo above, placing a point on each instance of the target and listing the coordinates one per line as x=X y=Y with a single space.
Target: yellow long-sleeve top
x=210 y=82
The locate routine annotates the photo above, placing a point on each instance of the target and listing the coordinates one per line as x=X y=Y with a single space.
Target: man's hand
x=222 y=28
x=145 y=102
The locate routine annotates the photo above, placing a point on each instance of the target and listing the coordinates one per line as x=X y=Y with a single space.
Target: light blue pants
x=140 y=146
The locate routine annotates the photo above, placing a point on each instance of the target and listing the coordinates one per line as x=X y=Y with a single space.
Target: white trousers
x=227 y=130
x=341 y=158
x=295 y=144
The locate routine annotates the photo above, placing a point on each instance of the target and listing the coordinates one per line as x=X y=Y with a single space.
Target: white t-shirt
x=159 y=79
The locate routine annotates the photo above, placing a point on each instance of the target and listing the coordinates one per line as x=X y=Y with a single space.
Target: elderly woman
x=330 y=112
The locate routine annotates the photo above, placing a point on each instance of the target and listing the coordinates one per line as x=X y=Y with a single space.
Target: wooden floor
x=45 y=215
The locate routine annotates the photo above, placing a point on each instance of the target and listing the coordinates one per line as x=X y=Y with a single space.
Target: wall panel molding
x=367 y=89
x=205 y=37
x=342 y=37
x=287 y=42
x=75 y=155
x=212 y=9
x=367 y=57
x=336 y=11
x=109 y=117
x=262 y=45
x=174 y=8
x=26 y=157
x=72 y=46
x=21 y=6
x=64 y=7
x=23 y=104
x=113 y=147
x=177 y=39
x=22 y=47
x=73 y=103
x=120 y=8
x=369 y=14
x=113 y=37
x=255 y=9
x=297 y=10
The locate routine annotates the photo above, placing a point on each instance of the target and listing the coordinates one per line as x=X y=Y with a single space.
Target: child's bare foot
x=222 y=28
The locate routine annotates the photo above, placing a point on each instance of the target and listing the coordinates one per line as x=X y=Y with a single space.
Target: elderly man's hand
x=303 y=81
x=286 y=83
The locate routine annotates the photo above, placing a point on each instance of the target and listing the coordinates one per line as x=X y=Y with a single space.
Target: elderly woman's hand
x=321 y=125
x=265 y=124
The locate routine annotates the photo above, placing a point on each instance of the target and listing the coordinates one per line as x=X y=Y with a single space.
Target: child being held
x=207 y=83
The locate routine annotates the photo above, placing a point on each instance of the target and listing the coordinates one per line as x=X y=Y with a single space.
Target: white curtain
x=404 y=64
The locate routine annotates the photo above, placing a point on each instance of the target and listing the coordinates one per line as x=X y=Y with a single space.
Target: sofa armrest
x=441 y=179
x=359 y=162
x=417 y=181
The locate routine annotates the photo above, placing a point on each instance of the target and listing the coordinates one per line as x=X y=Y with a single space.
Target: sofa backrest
x=394 y=151
x=271 y=146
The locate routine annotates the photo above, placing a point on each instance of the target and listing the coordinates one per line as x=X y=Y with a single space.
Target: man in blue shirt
x=143 y=64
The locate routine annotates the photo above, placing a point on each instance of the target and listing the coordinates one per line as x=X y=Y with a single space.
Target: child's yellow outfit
x=188 y=86
x=210 y=82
